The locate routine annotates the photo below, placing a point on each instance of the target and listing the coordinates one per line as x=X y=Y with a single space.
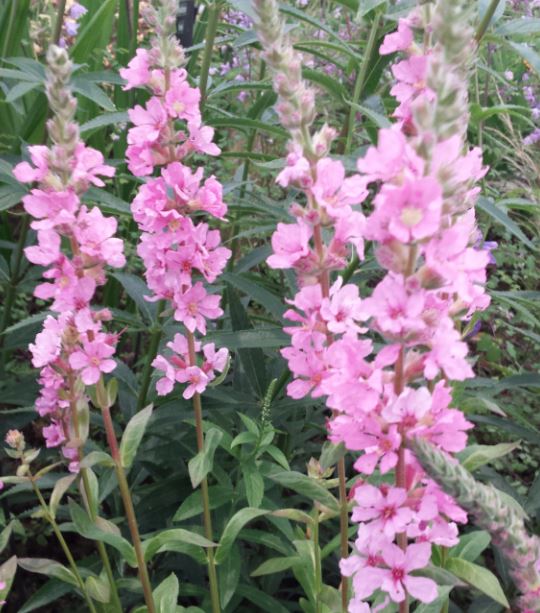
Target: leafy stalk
x=102 y=400
x=484 y=24
x=65 y=548
x=155 y=339
x=207 y=517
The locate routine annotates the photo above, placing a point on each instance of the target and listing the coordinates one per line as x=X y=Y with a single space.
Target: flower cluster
x=179 y=250
x=423 y=181
x=73 y=349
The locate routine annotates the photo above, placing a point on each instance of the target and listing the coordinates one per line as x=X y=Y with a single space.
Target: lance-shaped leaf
x=133 y=435
x=50 y=568
x=232 y=529
x=200 y=465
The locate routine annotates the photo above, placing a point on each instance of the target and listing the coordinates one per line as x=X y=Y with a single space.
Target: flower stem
x=59 y=21
x=63 y=544
x=207 y=517
x=484 y=24
x=89 y=503
x=210 y=37
x=324 y=281
x=128 y=506
x=317 y=562
x=360 y=82
x=155 y=338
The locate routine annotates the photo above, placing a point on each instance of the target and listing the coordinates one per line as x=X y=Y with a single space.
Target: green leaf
x=252 y=360
x=20 y=90
x=136 y=289
x=5 y=534
x=331 y=454
x=527 y=53
x=232 y=529
x=60 y=488
x=98 y=589
x=133 y=435
x=241 y=123
x=272 y=303
x=366 y=6
x=45 y=595
x=93 y=92
x=267 y=338
x=175 y=535
x=107 y=202
x=7 y=575
x=50 y=568
x=530 y=25
x=192 y=505
x=261 y=600
x=88 y=529
x=275 y=565
x=229 y=576
x=471 y=545
x=489 y=207
x=10 y=196
x=302 y=484
x=95 y=31
x=202 y=463
x=254 y=484
x=166 y=594
x=478 y=577
x=104 y=120
x=97 y=457
x=295 y=515
x=477 y=455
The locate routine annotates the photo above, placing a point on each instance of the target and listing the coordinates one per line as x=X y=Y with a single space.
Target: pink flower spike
x=93 y=360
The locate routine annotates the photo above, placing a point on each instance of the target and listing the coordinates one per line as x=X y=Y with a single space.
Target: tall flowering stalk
x=73 y=349
x=325 y=230
x=422 y=176
x=181 y=253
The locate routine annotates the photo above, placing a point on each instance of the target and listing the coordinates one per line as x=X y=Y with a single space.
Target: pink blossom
x=24 y=172
x=196 y=378
x=343 y=308
x=384 y=511
x=290 y=243
x=395 y=311
x=164 y=385
x=54 y=435
x=194 y=306
x=47 y=251
x=397 y=581
x=181 y=100
x=92 y=360
x=137 y=72
x=201 y=140
x=448 y=353
x=400 y=40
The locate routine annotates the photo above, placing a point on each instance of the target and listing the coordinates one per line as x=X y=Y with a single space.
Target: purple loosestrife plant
x=423 y=229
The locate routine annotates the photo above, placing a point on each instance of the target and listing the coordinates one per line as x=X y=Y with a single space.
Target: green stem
x=317 y=561
x=59 y=21
x=63 y=544
x=207 y=517
x=210 y=37
x=128 y=505
x=102 y=550
x=360 y=81
x=484 y=24
x=152 y=351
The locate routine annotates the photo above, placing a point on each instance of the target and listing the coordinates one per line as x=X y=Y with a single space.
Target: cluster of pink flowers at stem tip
x=73 y=349
x=422 y=189
x=180 y=252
